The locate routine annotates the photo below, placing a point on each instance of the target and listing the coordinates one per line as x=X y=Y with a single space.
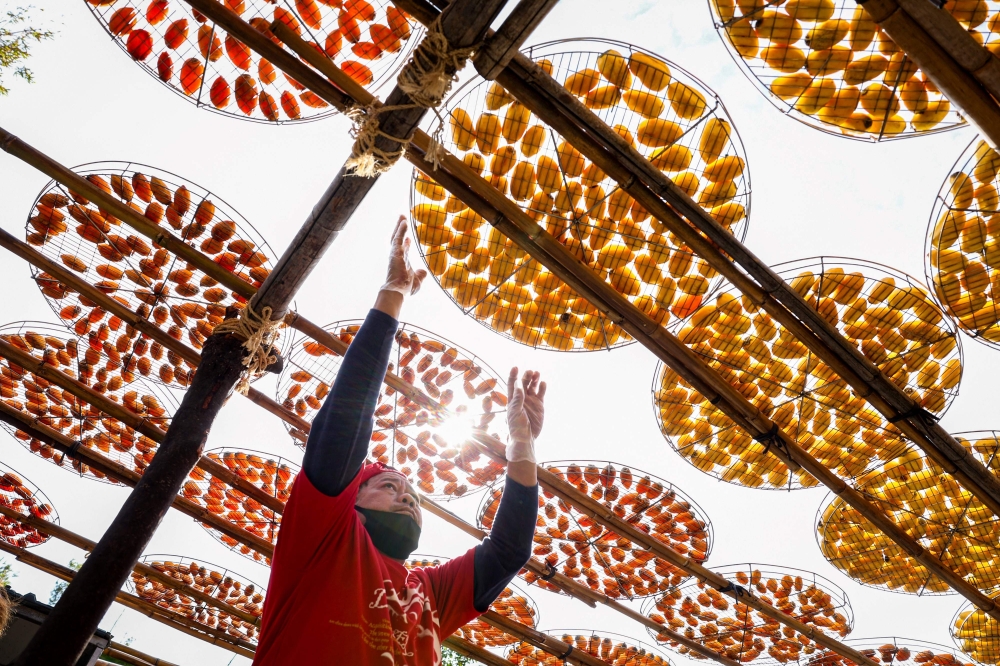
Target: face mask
x=394 y=534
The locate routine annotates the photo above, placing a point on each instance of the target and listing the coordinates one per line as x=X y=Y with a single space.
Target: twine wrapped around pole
x=426 y=79
x=260 y=333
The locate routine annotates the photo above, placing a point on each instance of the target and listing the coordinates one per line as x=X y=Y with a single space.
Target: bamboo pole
x=526 y=239
x=506 y=42
x=83 y=543
x=955 y=82
x=473 y=651
x=151 y=610
x=132 y=652
x=945 y=29
x=112 y=469
x=542 y=641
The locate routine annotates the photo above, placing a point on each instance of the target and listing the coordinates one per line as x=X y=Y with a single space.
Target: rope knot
x=426 y=79
x=259 y=333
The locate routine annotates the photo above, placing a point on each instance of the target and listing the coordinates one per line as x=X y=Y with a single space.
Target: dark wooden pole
x=62 y=637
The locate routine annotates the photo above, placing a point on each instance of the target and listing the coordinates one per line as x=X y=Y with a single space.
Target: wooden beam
x=957 y=84
x=506 y=42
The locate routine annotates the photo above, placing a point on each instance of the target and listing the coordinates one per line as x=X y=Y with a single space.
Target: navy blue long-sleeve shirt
x=338 y=443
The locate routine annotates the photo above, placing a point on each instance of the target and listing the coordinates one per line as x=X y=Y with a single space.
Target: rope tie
x=426 y=79
x=260 y=333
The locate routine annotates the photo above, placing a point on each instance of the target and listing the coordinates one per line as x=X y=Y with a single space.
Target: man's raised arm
x=508 y=547
x=338 y=440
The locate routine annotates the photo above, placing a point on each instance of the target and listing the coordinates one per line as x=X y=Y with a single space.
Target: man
x=339 y=593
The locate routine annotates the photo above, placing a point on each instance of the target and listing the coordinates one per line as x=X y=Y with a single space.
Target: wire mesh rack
x=828 y=65
x=210 y=579
x=666 y=113
x=21 y=495
x=892 y=651
x=977 y=634
x=605 y=645
x=149 y=280
x=886 y=314
x=198 y=60
x=513 y=602
x=272 y=474
x=431 y=449
x=94 y=361
x=575 y=546
x=926 y=502
x=736 y=631
x=963 y=243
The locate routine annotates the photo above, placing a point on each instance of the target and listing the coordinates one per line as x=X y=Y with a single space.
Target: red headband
x=374 y=469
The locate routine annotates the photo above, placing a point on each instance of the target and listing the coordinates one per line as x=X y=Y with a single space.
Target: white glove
x=400 y=277
x=525 y=414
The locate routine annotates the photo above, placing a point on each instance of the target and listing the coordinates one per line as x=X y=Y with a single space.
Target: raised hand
x=525 y=414
x=400 y=276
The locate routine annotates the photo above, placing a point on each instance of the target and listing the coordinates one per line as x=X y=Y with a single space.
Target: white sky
x=813 y=194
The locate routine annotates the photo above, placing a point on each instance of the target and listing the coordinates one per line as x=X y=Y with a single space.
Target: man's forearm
x=338 y=439
x=508 y=547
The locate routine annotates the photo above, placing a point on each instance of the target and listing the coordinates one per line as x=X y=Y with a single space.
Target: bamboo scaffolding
x=577 y=590
x=512 y=221
x=151 y=610
x=507 y=216
x=141 y=324
x=540 y=93
x=57 y=440
x=647 y=331
x=571 y=587
x=956 y=83
x=463 y=24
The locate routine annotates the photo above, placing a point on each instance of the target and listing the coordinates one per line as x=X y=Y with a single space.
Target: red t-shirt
x=333 y=598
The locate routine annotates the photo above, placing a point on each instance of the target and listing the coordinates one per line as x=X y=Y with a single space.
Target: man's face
x=390 y=492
